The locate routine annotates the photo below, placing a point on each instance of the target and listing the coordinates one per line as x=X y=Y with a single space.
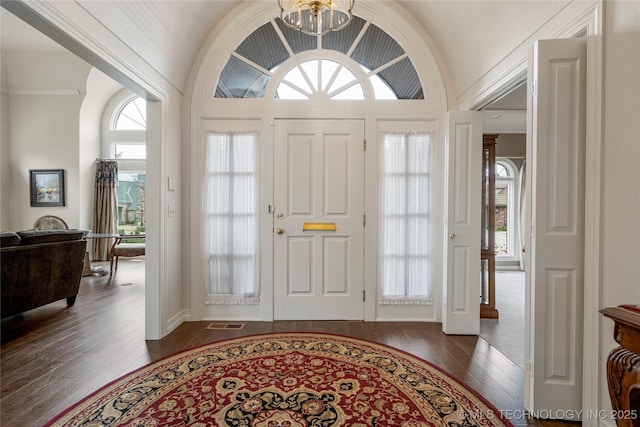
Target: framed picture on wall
x=47 y=187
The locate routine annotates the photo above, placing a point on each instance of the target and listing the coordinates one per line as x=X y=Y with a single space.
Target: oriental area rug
x=285 y=380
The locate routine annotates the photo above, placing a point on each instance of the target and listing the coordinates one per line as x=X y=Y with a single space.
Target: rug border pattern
x=457 y=388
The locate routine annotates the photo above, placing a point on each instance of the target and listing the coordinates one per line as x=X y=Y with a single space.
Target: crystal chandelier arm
x=308 y=16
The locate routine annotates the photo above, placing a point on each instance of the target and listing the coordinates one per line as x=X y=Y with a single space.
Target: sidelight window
x=231 y=218
x=404 y=276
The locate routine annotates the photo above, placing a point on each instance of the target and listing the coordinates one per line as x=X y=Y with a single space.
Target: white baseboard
x=177 y=320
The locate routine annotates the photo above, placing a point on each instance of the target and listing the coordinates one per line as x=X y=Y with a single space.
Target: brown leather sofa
x=39 y=267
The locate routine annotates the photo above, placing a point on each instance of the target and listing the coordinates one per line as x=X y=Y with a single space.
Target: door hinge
x=365 y=145
x=529 y=368
x=364 y=296
x=364 y=220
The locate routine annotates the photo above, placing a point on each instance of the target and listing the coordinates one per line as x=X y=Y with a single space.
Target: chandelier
x=316 y=17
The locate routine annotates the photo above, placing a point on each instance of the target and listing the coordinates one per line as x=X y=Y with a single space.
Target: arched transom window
x=360 y=61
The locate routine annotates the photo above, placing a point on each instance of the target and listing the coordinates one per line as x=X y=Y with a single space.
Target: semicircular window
x=385 y=67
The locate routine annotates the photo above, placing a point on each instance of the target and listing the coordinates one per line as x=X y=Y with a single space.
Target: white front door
x=555 y=280
x=318 y=219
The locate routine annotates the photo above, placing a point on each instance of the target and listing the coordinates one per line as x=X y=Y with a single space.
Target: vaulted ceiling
x=472 y=36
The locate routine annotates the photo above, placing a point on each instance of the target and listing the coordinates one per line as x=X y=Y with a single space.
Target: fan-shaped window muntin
x=132 y=115
x=322 y=77
x=258 y=60
x=126 y=133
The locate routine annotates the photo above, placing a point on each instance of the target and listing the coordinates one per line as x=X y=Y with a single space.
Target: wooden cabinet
x=487 y=246
x=623 y=365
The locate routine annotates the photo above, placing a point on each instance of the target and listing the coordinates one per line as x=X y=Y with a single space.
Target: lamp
x=316 y=17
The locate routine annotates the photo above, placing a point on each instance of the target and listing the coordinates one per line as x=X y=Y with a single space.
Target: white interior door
x=556 y=147
x=461 y=311
x=318 y=221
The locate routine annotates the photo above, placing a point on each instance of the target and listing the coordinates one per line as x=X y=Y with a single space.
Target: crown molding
x=42 y=92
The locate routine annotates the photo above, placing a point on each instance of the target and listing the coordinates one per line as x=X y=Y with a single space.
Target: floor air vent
x=225 y=326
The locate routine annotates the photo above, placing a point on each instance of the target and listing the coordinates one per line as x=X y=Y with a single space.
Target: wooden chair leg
x=111 y=265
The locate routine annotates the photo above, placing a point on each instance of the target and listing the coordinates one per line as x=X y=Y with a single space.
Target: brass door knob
x=280 y=230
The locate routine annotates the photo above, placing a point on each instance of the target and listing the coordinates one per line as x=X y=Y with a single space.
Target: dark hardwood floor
x=53 y=356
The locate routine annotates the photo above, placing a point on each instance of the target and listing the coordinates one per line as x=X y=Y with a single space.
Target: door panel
x=318 y=225
x=555 y=278
x=461 y=312
x=300 y=177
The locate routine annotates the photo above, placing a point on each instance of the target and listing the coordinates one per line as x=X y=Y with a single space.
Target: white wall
x=511 y=145
x=45 y=90
x=49 y=122
x=43 y=135
x=621 y=186
x=100 y=89
x=175 y=239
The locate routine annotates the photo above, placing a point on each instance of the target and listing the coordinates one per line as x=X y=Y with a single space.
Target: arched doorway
x=372 y=73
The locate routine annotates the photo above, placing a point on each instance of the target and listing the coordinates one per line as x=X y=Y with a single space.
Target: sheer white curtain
x=405 y=205
x=231 y=219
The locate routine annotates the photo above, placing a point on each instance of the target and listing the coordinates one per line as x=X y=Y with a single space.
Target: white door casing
x=461 y=299
x=318 y=179
x=555 y=251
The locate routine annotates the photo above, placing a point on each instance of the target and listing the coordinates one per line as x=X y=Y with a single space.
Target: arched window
x=125 y=139
x=358 y=62
x=127 y=129
x=132 y=115
x=505 y=217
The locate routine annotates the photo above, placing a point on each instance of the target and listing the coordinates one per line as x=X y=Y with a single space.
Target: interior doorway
x=506 y=118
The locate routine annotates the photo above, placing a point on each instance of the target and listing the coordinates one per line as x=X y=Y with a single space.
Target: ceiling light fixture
x=316 y=17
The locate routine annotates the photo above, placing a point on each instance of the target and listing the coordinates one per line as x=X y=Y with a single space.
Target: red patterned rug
x=285 y=380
